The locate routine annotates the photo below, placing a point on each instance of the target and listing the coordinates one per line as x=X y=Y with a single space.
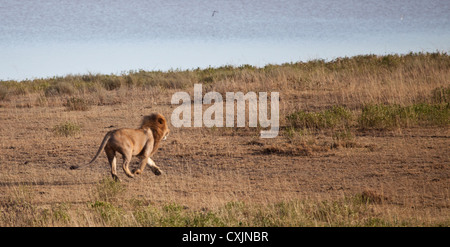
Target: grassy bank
x=108 y=208
x=402 y=75
x=373 y=116
x=381 y=92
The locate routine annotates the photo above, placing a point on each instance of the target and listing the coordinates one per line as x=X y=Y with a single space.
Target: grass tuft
x=109 y=190
x=441 y=95
x=67 y=129
x=379 y=116
x=336 y=117
x=76 y=104
x=60 y=88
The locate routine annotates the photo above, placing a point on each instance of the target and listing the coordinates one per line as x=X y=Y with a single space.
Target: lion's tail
x=102 y=146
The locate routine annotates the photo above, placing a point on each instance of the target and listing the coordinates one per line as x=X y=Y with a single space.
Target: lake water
x=46 y=38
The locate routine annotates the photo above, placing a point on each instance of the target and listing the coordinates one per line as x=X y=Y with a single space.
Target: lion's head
x=157 y=123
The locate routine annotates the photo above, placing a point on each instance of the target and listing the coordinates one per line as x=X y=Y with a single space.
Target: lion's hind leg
x=126 y=163
x=111 y=154
x=155 y=169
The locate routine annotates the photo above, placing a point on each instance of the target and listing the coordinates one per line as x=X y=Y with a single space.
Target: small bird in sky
x=214 y=12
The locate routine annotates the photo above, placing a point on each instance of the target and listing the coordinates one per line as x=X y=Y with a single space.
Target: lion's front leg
x=145 y=155
x=141 y=166
x=155 y=169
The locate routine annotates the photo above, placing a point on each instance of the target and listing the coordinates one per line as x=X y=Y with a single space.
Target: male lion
x=142 y=142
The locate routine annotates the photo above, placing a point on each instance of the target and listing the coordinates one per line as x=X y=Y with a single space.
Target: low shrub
x=109 y=190
x=76 y=104
x=381 y=116
x=4 y=92
x=441 y=95
x=336 y=117
x=60 y=88
x=66 y=129
x=111 y=83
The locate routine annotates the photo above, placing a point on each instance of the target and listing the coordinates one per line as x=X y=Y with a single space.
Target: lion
x=142 y=142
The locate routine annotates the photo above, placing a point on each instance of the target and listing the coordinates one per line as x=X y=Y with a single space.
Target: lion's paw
x=157 y=172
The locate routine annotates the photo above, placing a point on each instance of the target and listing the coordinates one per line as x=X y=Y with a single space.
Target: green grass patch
x=379 y=116
x=441 y=95
x=359 y=210
x=109 y=190
x=336 y=117
x=67 y=129
x=109 y=213
x=355 y=210
x=372 y=116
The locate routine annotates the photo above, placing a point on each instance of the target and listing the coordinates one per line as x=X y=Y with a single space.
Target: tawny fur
x=142 y=142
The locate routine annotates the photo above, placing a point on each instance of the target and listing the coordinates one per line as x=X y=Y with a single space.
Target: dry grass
x=77 y=104
x=326 y=168
x=67 y=129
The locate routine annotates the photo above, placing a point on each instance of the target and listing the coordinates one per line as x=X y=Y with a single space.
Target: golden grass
x=109 y=207
x=324 y=169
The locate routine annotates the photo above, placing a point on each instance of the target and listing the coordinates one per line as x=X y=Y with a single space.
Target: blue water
x=46 y=38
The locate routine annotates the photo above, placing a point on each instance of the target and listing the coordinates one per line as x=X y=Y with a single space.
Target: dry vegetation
x=364 y=142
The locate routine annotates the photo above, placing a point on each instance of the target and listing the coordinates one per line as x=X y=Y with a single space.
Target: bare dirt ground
x=208 y=167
